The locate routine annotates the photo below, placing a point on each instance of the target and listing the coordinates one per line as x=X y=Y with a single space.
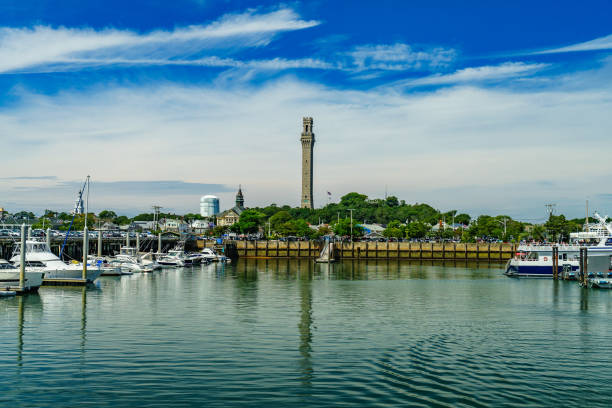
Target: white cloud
x=478 y=74
x=400 y=56
x=468 y=141
x=42 y=46
x=602 y=43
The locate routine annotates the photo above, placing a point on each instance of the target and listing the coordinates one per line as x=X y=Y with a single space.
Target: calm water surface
x=292 y=333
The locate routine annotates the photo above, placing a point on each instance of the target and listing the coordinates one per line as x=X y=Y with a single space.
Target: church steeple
x=239 y=198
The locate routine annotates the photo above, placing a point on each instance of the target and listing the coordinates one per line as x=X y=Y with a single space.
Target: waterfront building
x=209 y=206
x=201 y=226
x=174 y=225
x=232 y=215
x=308 y=141
x=143 y=225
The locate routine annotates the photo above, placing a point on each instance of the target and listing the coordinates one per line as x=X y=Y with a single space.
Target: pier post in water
x=48 y=238
x=159 y=243
x=85 y=251
x=137 y=243
x=583 y=265
x=22 y=258
x=555 y=262
x=99 y=243
x=127 y=238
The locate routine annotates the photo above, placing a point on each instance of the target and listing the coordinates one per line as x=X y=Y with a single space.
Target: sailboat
x=39 y=258
x=327 y=253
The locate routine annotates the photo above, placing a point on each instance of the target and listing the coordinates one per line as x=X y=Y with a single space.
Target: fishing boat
x=39 y=258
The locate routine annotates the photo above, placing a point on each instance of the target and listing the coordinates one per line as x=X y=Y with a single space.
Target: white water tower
x=209 y=206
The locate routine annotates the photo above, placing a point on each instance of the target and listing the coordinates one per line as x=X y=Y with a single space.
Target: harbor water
x=294 y=333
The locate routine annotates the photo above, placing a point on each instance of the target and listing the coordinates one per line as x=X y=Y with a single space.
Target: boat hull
x=9 y=280
x=537 y=269
x=73 y=274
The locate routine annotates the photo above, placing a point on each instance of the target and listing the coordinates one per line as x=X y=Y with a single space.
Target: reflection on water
x=289 y=332
x=305 y=327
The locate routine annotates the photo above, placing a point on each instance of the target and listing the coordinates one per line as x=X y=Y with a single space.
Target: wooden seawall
x=378 y=250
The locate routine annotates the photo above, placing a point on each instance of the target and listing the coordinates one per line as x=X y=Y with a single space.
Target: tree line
x=401 y=221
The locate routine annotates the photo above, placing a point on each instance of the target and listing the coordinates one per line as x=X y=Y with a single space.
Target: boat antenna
x=72 y=220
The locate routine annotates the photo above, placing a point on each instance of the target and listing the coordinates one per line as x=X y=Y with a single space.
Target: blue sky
x=464 y=105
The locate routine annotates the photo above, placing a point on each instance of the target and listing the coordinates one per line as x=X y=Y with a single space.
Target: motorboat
x=599 y=283
x=106 y=266
x=174 y=257
x=535 y=260
x=39 y=258
x=148 y=260
x=9 y=279
x=212 y=256
x=127 y=259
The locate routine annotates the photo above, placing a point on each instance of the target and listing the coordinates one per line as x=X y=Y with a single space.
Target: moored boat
x=39 y=258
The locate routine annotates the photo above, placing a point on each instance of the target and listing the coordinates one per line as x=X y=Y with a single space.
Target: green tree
x=558 y=227
x=249 y=222
x=122 y=220
x=463 y=219
x=107 y=215
x=280 y=218
x=343 y=228
x=417 y=230
x=394 y=230
x=392 y=201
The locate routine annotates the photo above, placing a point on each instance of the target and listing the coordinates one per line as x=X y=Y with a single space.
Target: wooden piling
x=555 y=262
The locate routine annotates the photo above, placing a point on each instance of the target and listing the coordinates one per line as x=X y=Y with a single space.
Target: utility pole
x=156 y=209
x=551 y=208
x=351 y=210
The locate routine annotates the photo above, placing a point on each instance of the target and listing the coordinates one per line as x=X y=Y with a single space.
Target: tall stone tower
x=308 y=141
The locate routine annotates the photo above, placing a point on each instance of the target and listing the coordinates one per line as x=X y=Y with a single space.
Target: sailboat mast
x=586 y=220
x=87 y=202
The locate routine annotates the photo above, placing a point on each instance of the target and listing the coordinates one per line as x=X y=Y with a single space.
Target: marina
x=291 y=332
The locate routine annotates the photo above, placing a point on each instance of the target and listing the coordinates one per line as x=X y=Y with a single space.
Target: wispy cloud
x=602 y=43
x=29 y=178
x=477 y=74
x=400 y=57
x=40 y=46
x=249 y=134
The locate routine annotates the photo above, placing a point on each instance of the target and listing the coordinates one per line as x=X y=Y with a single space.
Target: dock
x=64 y=282
x=450 y=251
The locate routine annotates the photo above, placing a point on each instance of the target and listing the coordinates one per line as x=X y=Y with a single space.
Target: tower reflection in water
x=306 y=323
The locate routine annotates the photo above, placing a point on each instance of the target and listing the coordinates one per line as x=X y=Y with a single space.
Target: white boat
x=9 y=279
x=107 y=268
x=175 y=257
x=129 y=261
x=599 y=283
x=210 y=255
x=327 y=253
x=535 y=260
x=39 y=258
x=148 y=260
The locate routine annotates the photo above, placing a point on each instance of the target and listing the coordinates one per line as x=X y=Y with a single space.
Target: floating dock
x=64 y=282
